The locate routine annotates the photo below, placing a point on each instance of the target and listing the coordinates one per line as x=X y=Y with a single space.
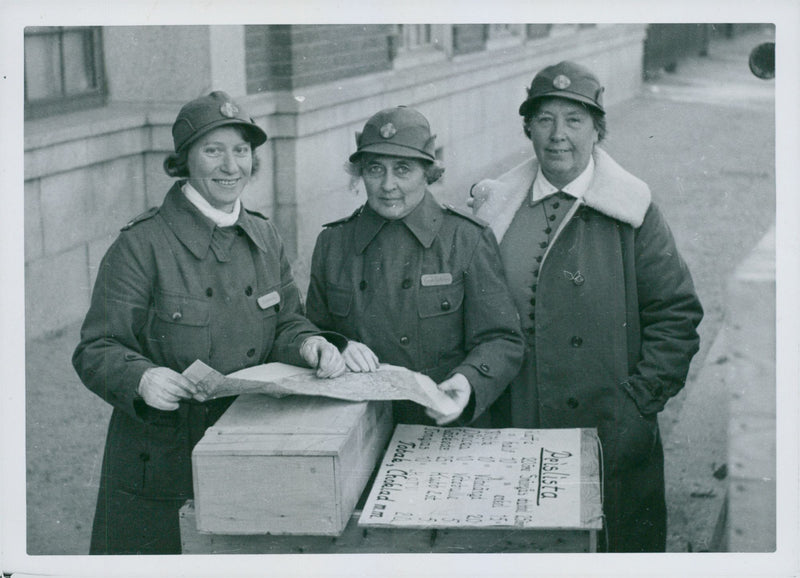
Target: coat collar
x=424 y=223
x=194 y=229
x=613 y=192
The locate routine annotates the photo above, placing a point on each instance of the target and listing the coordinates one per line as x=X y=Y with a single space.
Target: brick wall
x=292 y=56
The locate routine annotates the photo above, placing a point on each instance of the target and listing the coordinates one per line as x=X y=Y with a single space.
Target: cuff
x=650 y=398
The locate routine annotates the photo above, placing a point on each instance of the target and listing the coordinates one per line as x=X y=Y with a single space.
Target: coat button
x=543 y=244
x=548 y=230
x=533 y=300
x=576 y=341
x=445 y=305
x=552 y=217
x=578 y=280
x=406 y=283
x=404 y=340
x=251 y=352
x=556 y=205
x=209 y=292
x=572 y=402
x=363 y=285
x=539 y=259
x=177 y=316
x=536 y=273
x=532 y=315
x=248 y=291
x=484 y=368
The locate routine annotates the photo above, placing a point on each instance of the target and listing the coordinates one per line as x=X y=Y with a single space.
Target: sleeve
x=293 y=327
x=669 y=313
x=316 y=301
x=109 y=358
x=492 y=334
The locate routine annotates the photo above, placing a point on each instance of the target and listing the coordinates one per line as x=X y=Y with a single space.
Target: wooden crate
x=295 y=465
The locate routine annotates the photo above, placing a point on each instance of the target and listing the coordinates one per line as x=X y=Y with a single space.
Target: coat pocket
x=180 y=329
x=340 y=300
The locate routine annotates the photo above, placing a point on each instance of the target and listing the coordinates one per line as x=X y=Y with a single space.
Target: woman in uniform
x=608 y=307
x=412 y=283
x=199 y=277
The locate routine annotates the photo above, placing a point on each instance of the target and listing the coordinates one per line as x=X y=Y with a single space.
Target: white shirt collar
x=542 y=188
x=220 y=218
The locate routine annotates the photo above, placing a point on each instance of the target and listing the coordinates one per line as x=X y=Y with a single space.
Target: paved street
x=702 y=138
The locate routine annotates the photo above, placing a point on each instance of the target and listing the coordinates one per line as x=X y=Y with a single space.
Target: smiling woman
x=199 y=277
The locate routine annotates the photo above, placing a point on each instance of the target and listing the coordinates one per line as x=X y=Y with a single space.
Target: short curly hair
x=433 y=169
x=176 y=165
x=598 y=118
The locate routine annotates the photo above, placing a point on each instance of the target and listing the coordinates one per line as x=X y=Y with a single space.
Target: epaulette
x=257 y=214
x=466 y=214
x=141 y=217
x=356 y=213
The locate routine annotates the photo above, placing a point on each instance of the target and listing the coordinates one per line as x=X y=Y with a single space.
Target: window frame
x=94 y=97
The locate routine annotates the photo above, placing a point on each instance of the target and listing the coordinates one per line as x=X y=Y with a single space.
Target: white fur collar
x=613 y=191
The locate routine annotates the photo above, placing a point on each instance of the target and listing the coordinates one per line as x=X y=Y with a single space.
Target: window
x=421 y=43
x=63 y=69
x=504 y=35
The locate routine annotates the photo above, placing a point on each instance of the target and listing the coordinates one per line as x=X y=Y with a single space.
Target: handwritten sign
x=465 y=477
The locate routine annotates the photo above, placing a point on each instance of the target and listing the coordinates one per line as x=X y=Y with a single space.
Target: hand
x=162 y=388
x=458 y=388
x=360 y=358
x=320 y=353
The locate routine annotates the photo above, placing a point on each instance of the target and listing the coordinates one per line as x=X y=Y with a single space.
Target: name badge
x=268 y=300
x=436 y=279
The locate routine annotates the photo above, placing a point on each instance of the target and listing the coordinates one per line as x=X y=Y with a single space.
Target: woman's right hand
x=360 y=358
x=162 y=388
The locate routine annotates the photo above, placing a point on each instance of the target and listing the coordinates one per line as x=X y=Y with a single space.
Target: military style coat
x=174 y=288
x=614 y=332
x=426 y=292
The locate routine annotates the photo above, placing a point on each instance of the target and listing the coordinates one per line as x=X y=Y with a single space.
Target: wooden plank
x=591 y=490
x=360 y=540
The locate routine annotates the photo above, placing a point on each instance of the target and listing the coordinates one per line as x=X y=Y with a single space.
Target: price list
x=433 y=477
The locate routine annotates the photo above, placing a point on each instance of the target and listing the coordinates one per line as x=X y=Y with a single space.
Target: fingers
x=331 y=362
x=162 y=388
x=360 y=358
x=457 y=388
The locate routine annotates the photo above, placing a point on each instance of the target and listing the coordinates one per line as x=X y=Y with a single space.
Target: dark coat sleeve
x=492 y=334
x=669 y=313
x=109 y=358
x=293 y=326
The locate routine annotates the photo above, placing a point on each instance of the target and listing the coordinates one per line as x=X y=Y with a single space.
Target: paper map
x=478 y=478
x=280 y=379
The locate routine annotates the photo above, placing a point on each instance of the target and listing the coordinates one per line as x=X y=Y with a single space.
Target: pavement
x=680 y=136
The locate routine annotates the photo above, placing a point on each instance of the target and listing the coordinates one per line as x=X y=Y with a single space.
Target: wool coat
x=171 y=289
x=615 y=330
x=426 y=292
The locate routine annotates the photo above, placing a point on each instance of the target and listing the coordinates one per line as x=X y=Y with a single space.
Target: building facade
x=100 y=102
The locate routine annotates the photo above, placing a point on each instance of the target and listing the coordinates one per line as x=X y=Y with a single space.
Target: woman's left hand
x=320 y=353
x=457 y=388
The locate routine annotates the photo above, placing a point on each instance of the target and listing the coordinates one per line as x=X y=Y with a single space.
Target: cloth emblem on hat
x=229 y=109
x=388 y=130
x=561 y=82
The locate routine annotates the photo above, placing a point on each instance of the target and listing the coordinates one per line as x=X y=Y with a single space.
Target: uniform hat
x=400 y=132
x=565 y=80
x=206 y=113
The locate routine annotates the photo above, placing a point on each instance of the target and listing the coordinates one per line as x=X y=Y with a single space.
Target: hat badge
x=561 y=82
x=228 y=110
x=388 y=130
